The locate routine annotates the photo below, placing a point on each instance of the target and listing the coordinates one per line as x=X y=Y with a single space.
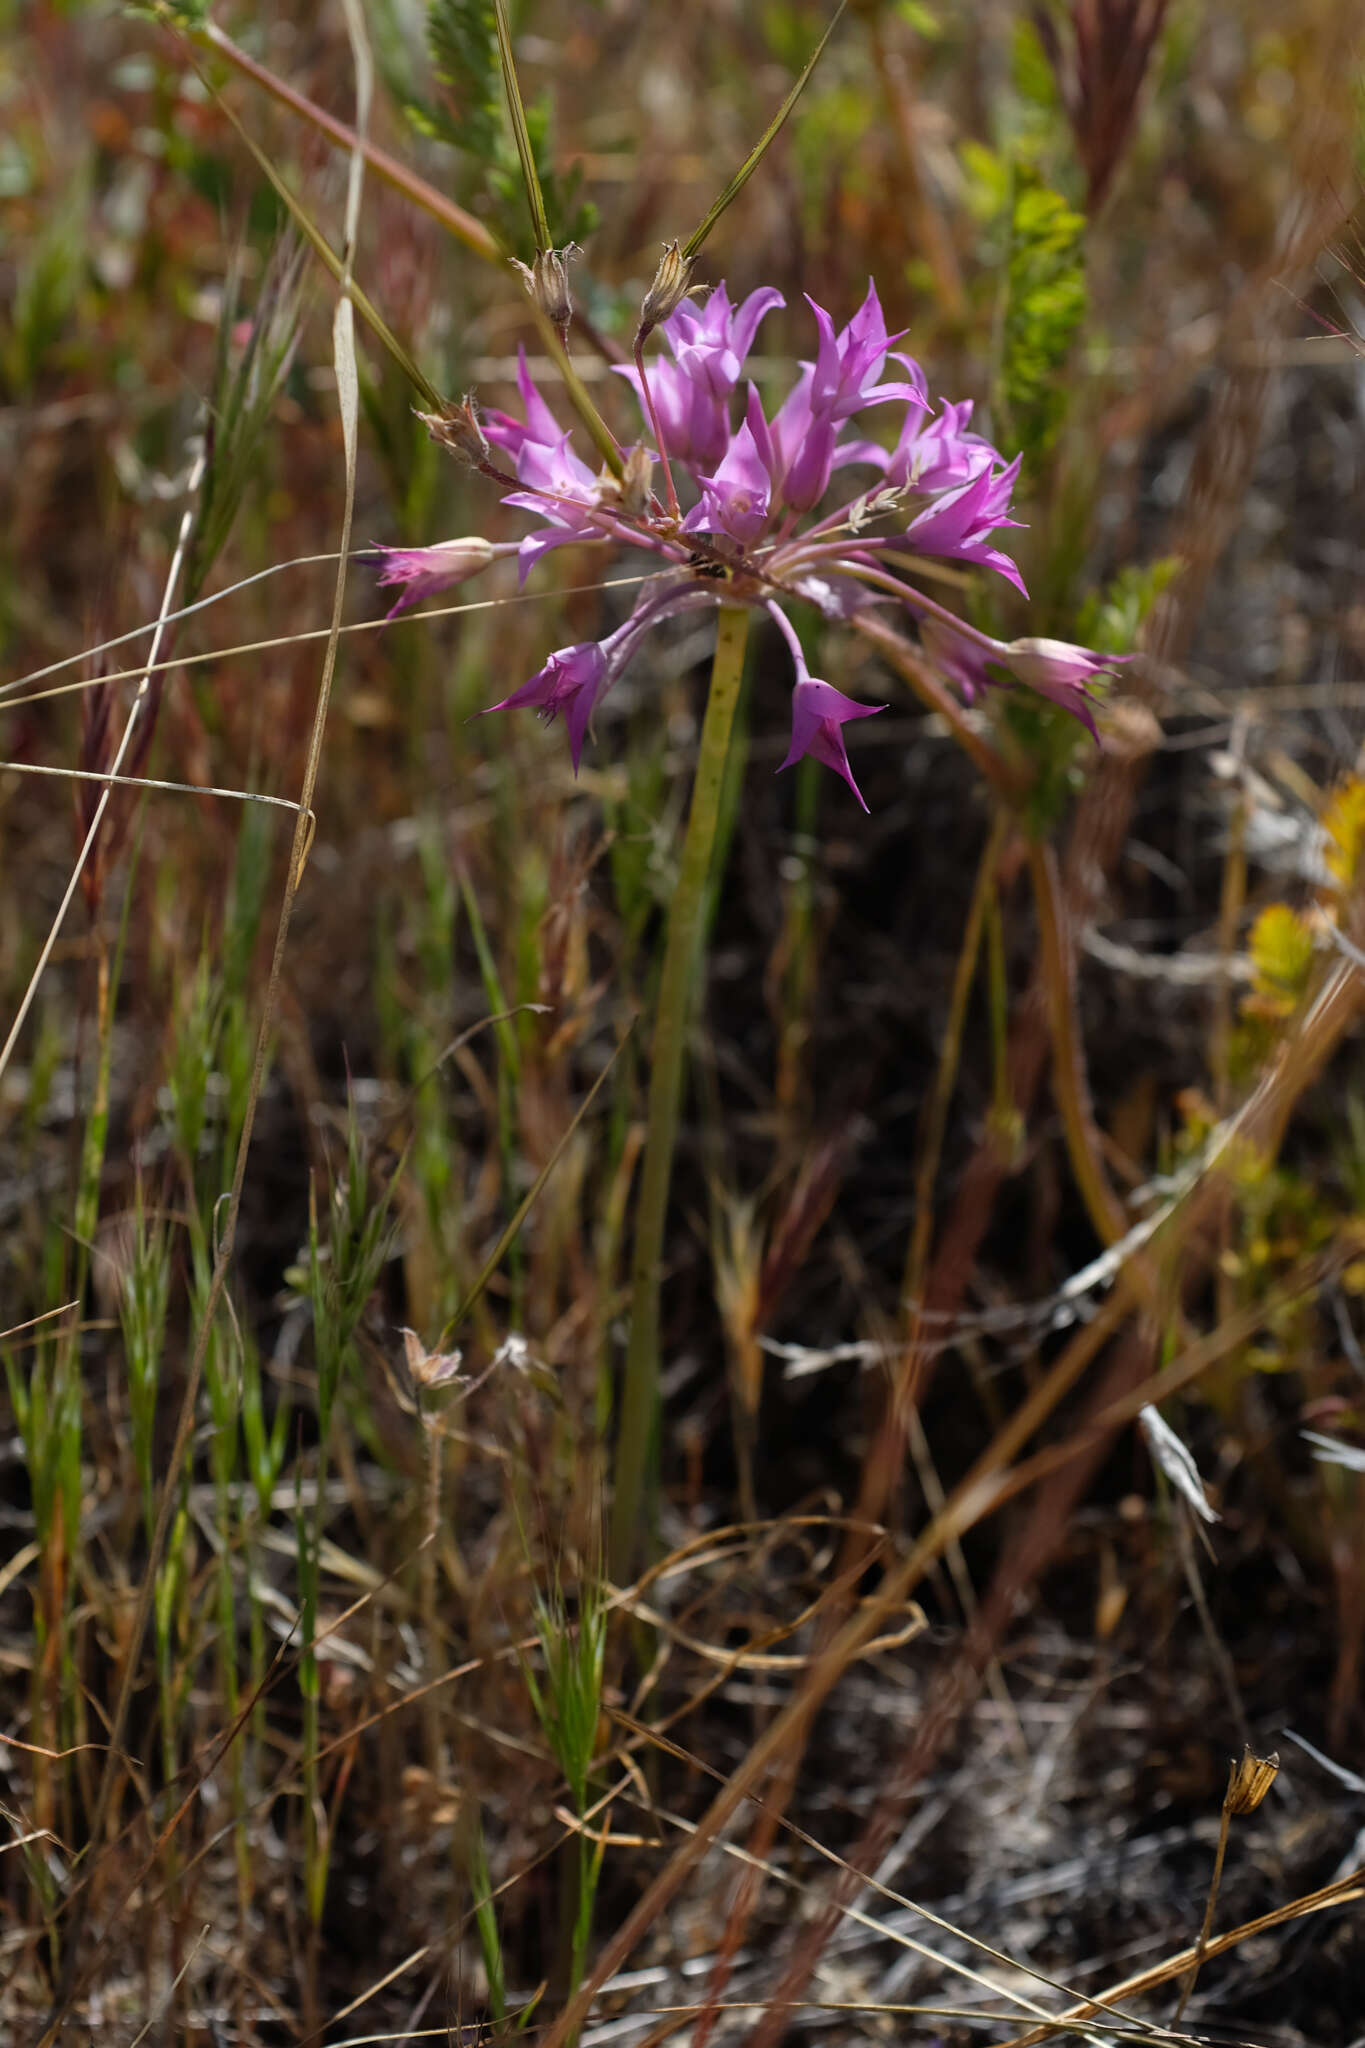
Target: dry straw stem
x=1342 y=1891
x=463 y=226
x=974 y=1495
x=348 y=397
x=444 y=611
x=985 y=1487
x=957 y=1682
x=1249 y=1779
x=849 y=1911
x=135 y=712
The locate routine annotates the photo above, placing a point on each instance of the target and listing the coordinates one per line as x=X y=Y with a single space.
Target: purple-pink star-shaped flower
x=1054 y=669
x=1060 y=671
x=563 y=492
x=711 y=341
x=540 y=426
x=960 y=522
x=735 y=498
x=818 y=713
x=938 y=453
x=423 y=572
x=847 y=363
x=692 y=393
x=570 y=683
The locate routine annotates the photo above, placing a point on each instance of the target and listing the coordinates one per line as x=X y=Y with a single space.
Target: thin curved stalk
x=637 y=1448
x=945 y=1079
x=933 y=693
x=1068 y=1072
x=463 y=226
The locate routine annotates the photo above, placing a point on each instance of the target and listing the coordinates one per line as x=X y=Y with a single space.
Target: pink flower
x=564 y=493
x=571 y=682
x=735 y=499
x=576 y=679
x=959 y=524
x=540 y=426
x=1052 y=668
x=425 y=571
x=759 y=488
x=938 y=454
x=692 y=393
x=818 y=712
x=847 y=363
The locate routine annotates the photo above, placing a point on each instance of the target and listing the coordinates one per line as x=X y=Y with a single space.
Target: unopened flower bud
x=425 y=572
x=547 y=283
x=672 y=282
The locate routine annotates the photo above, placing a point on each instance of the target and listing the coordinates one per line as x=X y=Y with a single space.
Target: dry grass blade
x=850 y=1911
x=308 y=634
x=111 y=781
x=135 y=714
x=348 y=395
x=1342 y=1891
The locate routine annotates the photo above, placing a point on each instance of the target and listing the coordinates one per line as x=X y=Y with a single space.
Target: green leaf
x=246 y=383
x=462 y=42
x=1110 y=621
x=1344 y=823
x=1045 y=302
x=1281 y=950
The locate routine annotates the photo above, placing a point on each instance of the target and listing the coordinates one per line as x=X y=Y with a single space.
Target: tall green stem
x=637 y=1447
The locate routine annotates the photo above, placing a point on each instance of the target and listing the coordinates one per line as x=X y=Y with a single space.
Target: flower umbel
x=757 y=527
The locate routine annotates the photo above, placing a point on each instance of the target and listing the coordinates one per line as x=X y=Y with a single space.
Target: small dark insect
x=703 y=567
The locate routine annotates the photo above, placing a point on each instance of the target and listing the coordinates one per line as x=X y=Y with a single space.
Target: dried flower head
x=672 y=282
x=431 y=1368
x=547 y=282
x=1249 y=1779
x=457 y=428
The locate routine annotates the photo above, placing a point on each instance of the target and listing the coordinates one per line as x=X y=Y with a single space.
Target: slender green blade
x=751 y=162
x=325 y=253
x=535 y=198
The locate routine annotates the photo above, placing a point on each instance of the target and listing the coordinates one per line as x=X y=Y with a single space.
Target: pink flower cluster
x=756 y=528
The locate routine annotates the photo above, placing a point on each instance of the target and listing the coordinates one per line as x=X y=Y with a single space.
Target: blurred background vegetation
x=395 y=1755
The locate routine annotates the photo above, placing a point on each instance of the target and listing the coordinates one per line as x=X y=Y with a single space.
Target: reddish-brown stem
x=933 y=693
x=651 y=409
x=453 y=218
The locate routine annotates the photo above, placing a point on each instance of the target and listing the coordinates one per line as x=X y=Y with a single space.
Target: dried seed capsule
x=672 y=282
x=1249 y=1779
x=547 y=283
